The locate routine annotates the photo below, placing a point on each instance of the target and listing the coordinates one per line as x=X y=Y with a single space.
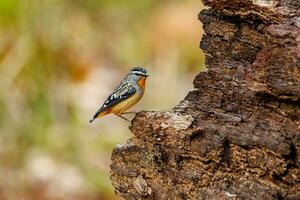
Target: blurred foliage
x=59 y=59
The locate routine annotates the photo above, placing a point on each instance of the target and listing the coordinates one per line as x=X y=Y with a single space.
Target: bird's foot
x=123 y=118
x=132 y=112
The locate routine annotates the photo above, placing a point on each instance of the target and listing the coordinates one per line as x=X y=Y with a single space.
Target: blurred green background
x=59 y=59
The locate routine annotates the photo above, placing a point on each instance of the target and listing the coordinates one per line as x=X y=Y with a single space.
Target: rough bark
x=237 y=135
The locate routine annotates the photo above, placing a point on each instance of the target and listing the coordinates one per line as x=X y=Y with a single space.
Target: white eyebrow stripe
x=137 y=72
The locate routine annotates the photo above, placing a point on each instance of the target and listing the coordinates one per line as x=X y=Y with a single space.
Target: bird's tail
x=99 y=114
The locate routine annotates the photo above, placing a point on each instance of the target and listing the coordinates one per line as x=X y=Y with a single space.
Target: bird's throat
x=142 y=82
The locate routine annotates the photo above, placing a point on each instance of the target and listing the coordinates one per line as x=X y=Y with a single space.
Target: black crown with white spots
x=139 y=71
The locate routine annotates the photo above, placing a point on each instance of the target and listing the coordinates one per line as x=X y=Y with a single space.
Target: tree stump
x=237 y=135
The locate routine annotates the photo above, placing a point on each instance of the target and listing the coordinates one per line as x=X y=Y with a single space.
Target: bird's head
x=137 y=74
x=139 y=71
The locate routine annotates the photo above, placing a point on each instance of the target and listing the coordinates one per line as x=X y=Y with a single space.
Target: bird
x=125 y=95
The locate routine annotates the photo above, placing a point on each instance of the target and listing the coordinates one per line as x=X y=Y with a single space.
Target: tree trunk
x=237 y=135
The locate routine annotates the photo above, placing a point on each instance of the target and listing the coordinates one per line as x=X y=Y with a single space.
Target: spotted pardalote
x=125 y=95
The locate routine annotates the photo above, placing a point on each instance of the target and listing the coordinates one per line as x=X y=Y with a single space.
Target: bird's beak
x=146 y=75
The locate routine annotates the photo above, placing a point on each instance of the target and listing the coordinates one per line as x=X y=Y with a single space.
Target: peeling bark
x=237 y=135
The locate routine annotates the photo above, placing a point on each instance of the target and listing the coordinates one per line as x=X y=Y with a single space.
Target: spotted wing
x=122 y=92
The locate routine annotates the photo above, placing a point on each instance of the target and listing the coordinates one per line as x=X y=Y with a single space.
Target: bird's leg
x=132 y=112
x=123 y=117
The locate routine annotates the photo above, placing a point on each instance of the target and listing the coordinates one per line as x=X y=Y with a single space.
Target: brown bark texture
x=237 y=135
